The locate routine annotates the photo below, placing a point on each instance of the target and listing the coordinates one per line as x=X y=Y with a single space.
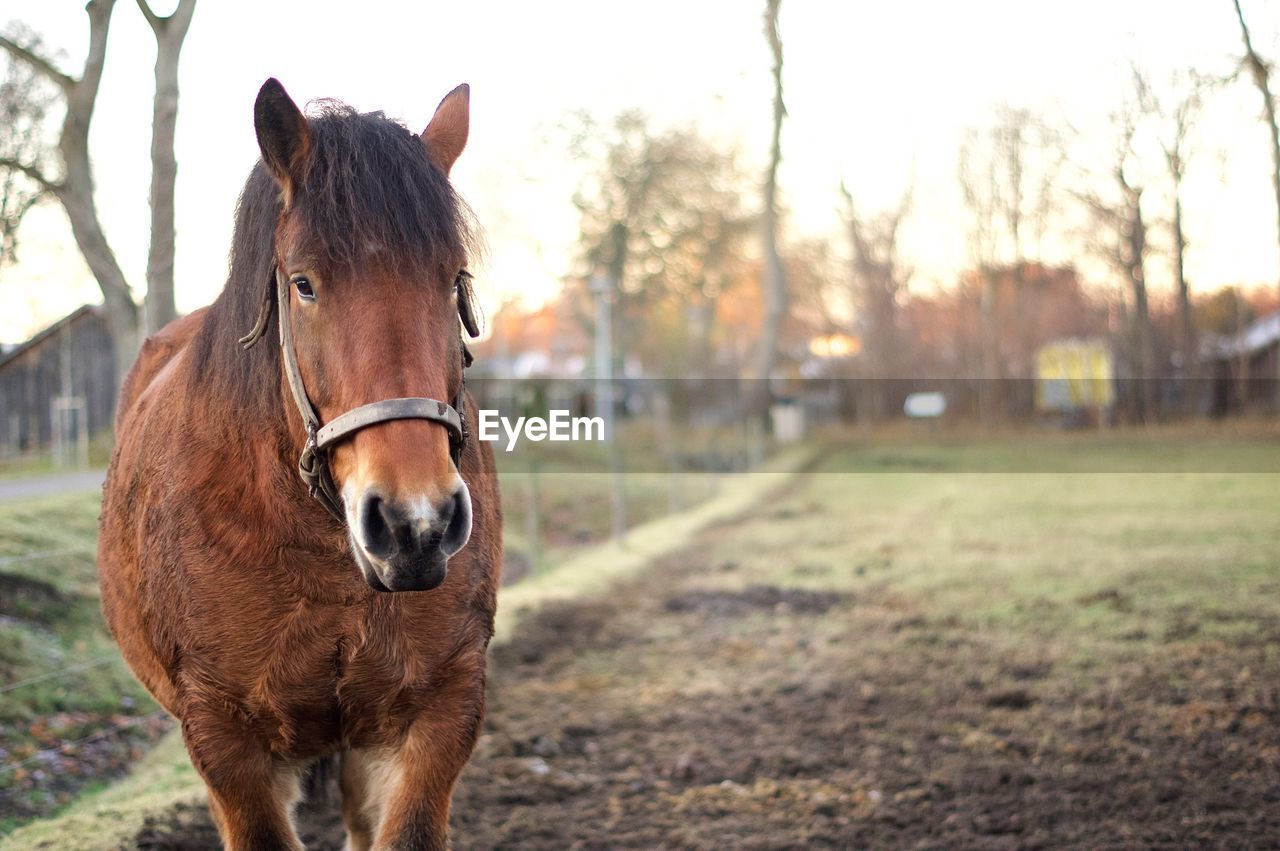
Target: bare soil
x=698 y=707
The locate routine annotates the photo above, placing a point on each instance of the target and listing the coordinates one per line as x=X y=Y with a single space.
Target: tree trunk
x=774 y=278
x=77 y=190
x=1143 y=354
x=989 y=396
x=701 y=315
x=170 y=32
x=122 y=311
x=1261 y=79
x=1186 y=322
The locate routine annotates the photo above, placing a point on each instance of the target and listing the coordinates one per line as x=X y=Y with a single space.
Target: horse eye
x=304 y=289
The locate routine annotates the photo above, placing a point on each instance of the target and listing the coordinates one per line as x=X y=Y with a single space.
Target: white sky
x=871 y=88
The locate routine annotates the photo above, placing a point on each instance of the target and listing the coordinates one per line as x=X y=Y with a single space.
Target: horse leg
x=254 y=814
x=423 y=770
x=251 y=795
x=359 y=779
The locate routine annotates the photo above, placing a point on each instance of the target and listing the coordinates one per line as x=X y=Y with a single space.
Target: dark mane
x=369 y=188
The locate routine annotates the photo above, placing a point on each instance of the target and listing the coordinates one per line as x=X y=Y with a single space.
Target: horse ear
x=446 y=134
x=283 y=136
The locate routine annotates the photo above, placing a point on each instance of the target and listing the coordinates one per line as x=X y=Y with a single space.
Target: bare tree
x=67 y=171
x=25 y=99
x=73 y=185
x=1176 y=122
x=978 y=181
x=170 y=33
x=879 y=277
x=1008 y=172
x=1260 y=70
x=774 y=278
x=1117 y=214
x=662 y=217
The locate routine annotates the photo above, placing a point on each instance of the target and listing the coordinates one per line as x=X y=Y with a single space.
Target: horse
x=300 y=545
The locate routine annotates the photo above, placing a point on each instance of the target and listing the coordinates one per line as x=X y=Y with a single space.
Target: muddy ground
x=704 y=706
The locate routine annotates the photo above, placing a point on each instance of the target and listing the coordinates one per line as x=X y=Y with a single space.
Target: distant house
x=61 y=381
x=1245 y=368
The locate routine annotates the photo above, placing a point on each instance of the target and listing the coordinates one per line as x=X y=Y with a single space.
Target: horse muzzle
x=405 y=545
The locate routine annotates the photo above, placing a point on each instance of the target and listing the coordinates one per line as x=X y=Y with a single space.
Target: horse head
x=370 y=253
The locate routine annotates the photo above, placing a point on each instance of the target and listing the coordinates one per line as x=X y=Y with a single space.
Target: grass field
x=863 y=657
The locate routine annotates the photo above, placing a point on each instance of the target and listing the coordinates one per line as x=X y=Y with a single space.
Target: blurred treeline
x=1065 y=228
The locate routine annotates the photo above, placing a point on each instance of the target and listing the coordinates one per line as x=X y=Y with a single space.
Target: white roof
x=1262 y=332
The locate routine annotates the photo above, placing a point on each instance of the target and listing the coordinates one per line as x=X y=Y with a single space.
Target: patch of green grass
x=1097 y=563
x=1171 y=450
x=41 y=463
x=50 y=527
x=105 y=816
x=566 y=491
x=60 y=671
x=51 y=609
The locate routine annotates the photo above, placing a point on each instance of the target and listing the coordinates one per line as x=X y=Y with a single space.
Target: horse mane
x=369 y=189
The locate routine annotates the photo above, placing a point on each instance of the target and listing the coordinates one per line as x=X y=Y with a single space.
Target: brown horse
x=259 y=619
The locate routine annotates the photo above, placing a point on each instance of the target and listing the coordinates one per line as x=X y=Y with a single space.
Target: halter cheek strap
x=313 y=464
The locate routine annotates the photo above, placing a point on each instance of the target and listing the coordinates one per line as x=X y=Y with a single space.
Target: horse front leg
x=251 y=794
x=414 y=811
x=360 y=778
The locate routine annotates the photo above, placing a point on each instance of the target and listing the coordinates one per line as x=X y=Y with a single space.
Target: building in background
x=1244 y=369
x=1075 y=381
x=58 y=389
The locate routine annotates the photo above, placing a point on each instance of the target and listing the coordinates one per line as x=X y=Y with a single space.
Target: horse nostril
x=457 y=514
x=444 y=514
x=377 y=526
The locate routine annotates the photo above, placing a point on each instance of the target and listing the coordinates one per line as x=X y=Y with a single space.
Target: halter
x=313 y=464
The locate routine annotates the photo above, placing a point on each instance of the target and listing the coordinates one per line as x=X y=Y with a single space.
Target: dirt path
x=705 y=705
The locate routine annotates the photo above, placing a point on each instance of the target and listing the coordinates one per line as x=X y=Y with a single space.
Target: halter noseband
x=313 y=464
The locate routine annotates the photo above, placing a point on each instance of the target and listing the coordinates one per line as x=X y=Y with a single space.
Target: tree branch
x=181 y=17
x=44 y=66
x=31 y=172
x=152 y=18
x=99 y=12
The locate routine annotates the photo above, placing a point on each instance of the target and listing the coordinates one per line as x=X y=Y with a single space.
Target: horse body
x=237 y=600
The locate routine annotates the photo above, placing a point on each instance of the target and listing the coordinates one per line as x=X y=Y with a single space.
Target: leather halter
x=313 y=464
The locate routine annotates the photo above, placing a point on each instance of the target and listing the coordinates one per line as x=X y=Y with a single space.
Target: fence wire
x=61 y=672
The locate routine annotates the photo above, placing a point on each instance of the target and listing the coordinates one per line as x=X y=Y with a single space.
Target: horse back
x=156 y=352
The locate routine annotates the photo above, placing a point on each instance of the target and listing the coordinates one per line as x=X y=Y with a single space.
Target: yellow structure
x=1073 y=374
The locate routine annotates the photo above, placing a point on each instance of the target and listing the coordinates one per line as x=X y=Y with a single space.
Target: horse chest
x=329 y=693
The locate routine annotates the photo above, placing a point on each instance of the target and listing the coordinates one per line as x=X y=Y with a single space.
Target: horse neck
x=257 y=439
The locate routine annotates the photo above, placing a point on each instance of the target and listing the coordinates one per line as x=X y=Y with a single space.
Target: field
x=901 y=648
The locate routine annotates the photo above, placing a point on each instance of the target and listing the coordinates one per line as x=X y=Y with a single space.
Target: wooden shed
x=60 y=385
